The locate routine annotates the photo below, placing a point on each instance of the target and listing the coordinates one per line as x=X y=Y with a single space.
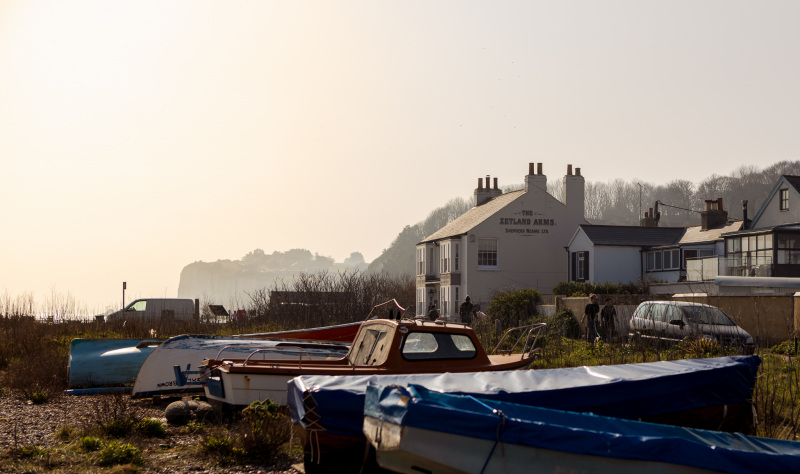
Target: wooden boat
x=382 y=346
x=415 y=430
x=701 y=393
x=172 y=367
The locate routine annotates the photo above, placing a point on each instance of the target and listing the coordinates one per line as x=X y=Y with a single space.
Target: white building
x=514 y=240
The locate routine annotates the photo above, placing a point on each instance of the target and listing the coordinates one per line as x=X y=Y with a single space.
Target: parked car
x=674 y=321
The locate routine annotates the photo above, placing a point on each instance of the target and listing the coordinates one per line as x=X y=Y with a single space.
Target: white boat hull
x=413 y=450
x=157 y=375
x=239 y=390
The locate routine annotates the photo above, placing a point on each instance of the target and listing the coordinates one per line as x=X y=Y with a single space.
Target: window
x=691 y=254
x=138 y=306
x=455 y=260
x=581 y=263
x=444 y=298
x=487 y=253
x=654 y=261
x=430 y=260
x=437 y=345
x=784 y=199
x=421 y=261
x=444 y=261
x=672 y=259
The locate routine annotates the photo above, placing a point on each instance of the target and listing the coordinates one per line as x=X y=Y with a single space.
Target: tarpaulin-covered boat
x=414 y=430
x=702 y=393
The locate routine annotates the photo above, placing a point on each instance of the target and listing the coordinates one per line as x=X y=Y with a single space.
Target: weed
x=118 y=428
x=38 y=398
x=90 y=443
x=223 y=449
x=265 y=428
x=118 y=453
x=195 y=427
x=65 y=432
x=29 y=451
x=151 y=427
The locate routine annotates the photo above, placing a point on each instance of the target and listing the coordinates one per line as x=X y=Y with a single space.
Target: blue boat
x=415 y=430
x=700 y=393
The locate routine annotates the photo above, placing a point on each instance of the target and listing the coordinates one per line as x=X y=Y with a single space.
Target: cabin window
x=437 y=346
x=487 y=253
x=138 y=306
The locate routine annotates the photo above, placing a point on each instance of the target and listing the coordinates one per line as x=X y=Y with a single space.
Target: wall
x=769 y=319
x=772 y=215
x=615 y=264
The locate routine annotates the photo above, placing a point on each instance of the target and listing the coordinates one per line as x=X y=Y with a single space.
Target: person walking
x=465 y=311
x=608 y=316
x=590 y=316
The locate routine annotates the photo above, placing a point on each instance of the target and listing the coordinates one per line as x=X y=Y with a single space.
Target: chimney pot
x=538 y=168
x=531 y=168
x=577 y=171
x=720 y=208
x=480 y=183
x=569 y=170
x=495 y=183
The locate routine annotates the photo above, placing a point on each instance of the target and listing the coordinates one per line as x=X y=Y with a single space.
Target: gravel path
x=25 y=424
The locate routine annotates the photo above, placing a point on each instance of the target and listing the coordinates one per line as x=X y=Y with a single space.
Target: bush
x=577 y=288
x=151 y=427
x=38 y=376
x=785 y=348
x=512 y=306
x=564 y=324
x=267 y=426
x=90 y=443
x=117 y=453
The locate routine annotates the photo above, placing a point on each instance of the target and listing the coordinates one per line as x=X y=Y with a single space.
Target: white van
x=155 y=309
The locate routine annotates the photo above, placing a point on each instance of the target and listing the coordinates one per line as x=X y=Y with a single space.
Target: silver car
x=673 y=321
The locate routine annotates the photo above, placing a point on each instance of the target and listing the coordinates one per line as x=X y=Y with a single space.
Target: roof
x=465 y=222
x=696 y=234
x=791 y=180
x=632 y=236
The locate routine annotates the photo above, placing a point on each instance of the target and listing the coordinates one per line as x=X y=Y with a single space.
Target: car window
x=673 y=313
x=641 y=311
x=658 y=313
x=708 y=315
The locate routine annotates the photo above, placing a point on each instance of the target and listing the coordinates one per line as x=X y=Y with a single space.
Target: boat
x=709 y=393
x=382 y=346
x=172 y=366
x=414 y=429
x=106 y=362
x=116 y=362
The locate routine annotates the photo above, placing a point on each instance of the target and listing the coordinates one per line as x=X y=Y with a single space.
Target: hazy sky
x=139 y=137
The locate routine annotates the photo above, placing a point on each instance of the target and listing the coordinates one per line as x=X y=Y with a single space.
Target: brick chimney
x=649 y=219
x=572 y=191
x=713 y=215
x=485 y=194
x=535 y=178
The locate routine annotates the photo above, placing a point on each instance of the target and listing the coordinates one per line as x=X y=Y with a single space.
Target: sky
x=139 y=137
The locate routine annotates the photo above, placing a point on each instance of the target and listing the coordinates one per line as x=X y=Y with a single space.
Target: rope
x=500 y=427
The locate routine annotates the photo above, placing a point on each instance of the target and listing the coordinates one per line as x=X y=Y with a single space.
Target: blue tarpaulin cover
x=626 y=391
x=579 y=433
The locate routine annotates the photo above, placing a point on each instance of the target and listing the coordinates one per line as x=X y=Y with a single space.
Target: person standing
x=608 y=316
x=590 y=316
x=433 y=311
x=465 y=311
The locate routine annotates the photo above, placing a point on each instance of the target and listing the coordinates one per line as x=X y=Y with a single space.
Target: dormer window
x=784 y=199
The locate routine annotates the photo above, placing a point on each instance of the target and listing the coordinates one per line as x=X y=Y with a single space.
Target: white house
x=511 y=240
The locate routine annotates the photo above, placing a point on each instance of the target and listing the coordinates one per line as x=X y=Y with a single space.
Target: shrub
x=90 y=443
x=114 y=415
x=564 y=324
x=577 y=288
x=37 y=376
x=38 y=398
x=117 y=453
x=151 y=427
x=785 y=348
x=118 y=428
x=512 y=306
x=265 y=428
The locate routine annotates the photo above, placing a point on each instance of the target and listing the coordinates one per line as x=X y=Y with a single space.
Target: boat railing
x=276 y=350
x=528 y=336
x=299 y=352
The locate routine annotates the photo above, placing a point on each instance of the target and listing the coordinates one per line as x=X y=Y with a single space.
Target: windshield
x=707 y=315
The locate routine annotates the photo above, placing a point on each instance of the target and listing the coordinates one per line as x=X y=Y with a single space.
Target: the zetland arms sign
x=528 y=224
